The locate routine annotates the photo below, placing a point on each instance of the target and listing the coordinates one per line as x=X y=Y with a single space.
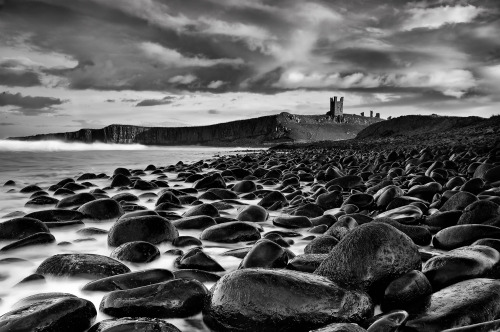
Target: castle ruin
x=336 y=109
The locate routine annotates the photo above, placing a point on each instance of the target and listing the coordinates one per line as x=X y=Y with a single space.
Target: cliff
x=283 y=127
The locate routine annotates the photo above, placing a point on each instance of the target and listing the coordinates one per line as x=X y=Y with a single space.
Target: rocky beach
x=392 y=233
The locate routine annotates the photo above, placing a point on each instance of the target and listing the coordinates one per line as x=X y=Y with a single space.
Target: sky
x=66 y=65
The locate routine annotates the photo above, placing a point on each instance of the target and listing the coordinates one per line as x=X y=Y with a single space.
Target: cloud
x=216 y=84
x=183 y=79
x=7 y=124
x=10 y=77
x=154 y=102
x=433 y=18
x=173 y=58
x=213 y=112
x=29 y=104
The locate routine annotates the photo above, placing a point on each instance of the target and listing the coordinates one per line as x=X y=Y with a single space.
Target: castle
x=336 y=109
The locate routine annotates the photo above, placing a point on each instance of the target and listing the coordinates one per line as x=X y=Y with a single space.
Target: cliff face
x=283 y=127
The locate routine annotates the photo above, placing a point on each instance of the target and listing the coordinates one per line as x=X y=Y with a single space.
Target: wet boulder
x=254 y=213
x=370 y=257
x=129 y=280
x=194 y=222
x=175 y=298
x=136 y=252
x=463 y=235
x=205 y=209
x=101 y=209
x=89 y=266
x=266 y=254
x=197 y=259
x=67 y=313
x=152 y=229
x=468 y=302
x=281 y=300
x=136 y=324
x=231 y=232
x=403 y=292
x=19 y=228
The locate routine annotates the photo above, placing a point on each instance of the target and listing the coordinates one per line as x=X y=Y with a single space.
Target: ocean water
x=46 y=163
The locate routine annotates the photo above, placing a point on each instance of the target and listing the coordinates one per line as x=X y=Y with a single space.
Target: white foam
x=41 y=146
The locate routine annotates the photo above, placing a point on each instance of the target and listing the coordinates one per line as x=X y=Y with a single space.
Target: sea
x=46 y=163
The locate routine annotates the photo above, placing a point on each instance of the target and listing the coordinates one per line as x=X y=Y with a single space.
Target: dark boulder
x=231 y=232
x=153 y=229
x=175 y=298
x=136 y=252
x=19 y=228
x=101 y=209
x=266 y=254
x=137 y=324
x=129 y=280
x=281 y=300
x=81 y=265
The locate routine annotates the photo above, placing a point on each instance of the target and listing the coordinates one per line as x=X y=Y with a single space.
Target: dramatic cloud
x=389 y=54
x=433 y=18
x=29 y=105
x=154 y=102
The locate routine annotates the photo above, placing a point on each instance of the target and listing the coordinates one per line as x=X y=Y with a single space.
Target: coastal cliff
x=267 y=130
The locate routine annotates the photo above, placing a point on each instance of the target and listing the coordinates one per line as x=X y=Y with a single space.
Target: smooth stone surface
x=129 y=280
x=136 y=252
x=101 y=209
x=35 y=239
x=458 y=201
x=281 y=300
x=57 y=314
x=254 y=213
x=195 y=222
x=55 y=215
x=19 y=228
x=175 y=298
x=81 y=265
x=205 y=209
x=75 y=200
x=464 y=303
x=402 y=292
x=137 y=324
x=201 y=276
x=340 y=327
x=292 y=221
x=479 y=212
x=306 y=262
x=322 y=244
x=461 y=264
x=152 y=229
x=370 y=257
x=197 y=259
x=231 y=232
x=463 y=235
x=266 y=254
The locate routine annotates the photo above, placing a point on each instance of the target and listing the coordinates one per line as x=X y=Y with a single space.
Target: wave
x=41 y=146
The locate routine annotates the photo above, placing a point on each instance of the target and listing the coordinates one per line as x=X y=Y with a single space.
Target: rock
x=274 y=197
x=281 y=300
x=306 y=262
x=391 y=321
x=342 y=227
x=463 y=235
x=210 y=181
x=309 y=210
x=120 y=180
x=346 y=182
x=330 y=200
x=419 y=235
x=122 y=171
x=405 y=291
x=461 y=264
x=129 y=280
x=91 y=231
x=152 y=229
x=136 y=252
x=137 y=324
x=30 y=189
x=253 y=213
x=126 y=196
x=168 y=197
x=340 y=327
x=34 y=239
x=468 y=302
x=75 y=200
x=362 y=201
x=245 y=186
x=196 y=258
x=195 y=222
x=370 y=257
x=231 y=232
x=492 y=175
x=42 y=200
x=202 y=210
x=265 y=254
x=440 y=220
x=458 y=201
x=81 y=265
x=19 y=228
x=323 y=244
x=292 y=222
x=57 y=314
x=55 y=215
x=101 y=209
x=479 y=212
x=175 y=298
x=38 y=278
x=407 y=214
x=186 y=241
x=201 y=276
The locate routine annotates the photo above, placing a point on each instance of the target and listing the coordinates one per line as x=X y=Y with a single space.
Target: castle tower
x=336 y=107
x=371 y=114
